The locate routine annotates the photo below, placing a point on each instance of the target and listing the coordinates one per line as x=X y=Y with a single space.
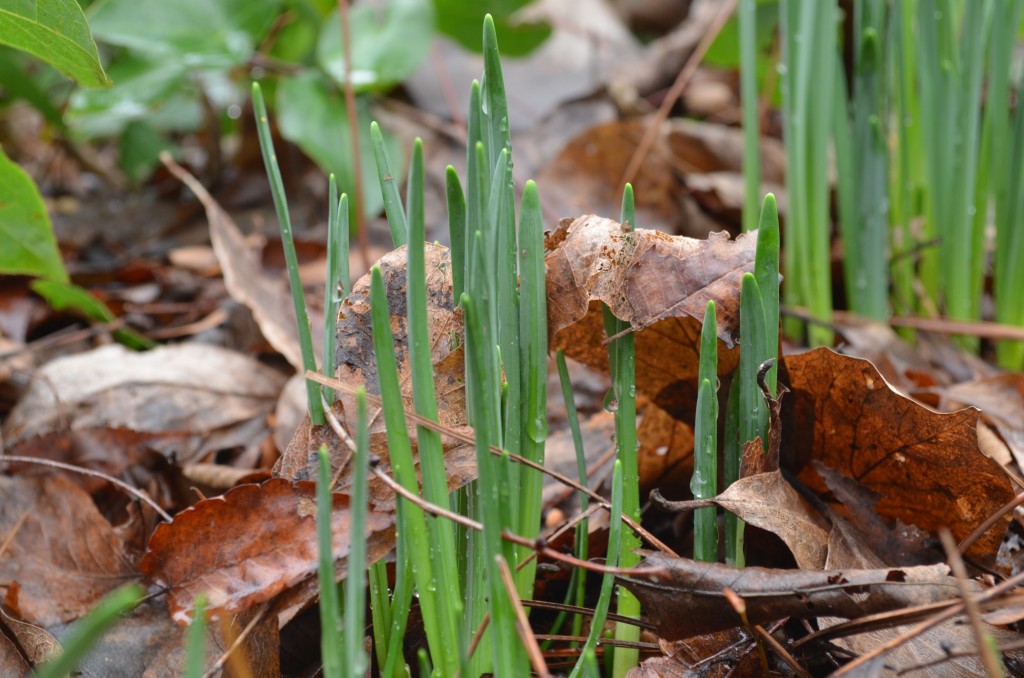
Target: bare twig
x=522 y=623
x=135 y=492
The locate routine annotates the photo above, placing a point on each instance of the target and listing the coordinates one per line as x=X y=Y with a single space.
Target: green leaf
x=311 y=114
x=461 y=20
x=17 y=83
x=140 y=147
x=27 y=244
x=56 y=32
x=199 y=33
x=67 y=296
x=388 y=45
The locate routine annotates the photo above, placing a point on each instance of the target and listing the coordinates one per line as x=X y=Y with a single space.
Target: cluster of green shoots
x=468 y=579
x=928 y=155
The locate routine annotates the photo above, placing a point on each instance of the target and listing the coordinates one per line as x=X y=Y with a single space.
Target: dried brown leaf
x=685 y=597
x=926 y=466
x=65 y=556
x=659 y=283
x=247 y=546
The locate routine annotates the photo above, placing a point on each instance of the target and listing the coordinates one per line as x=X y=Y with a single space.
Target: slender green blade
x=750 y=112
x=316 y=409
x=389 y=188
x=704 y=483
x=731 y=473
x=766 y=274
x=330 y=622
x=195 y=641
x=456 y=229
x=355 y=583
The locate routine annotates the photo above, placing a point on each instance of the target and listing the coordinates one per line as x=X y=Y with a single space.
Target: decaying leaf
x=767 y=501
x=684 y=598
x=356 y=366
x=265 y=295
x=64 y=545
x=220 y=397
x=1001 y=399
x=659 y=283
x=249 y=545
x=925 y=466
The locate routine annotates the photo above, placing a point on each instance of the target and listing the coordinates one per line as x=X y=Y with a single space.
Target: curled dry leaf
x=220 y=397
x=684 y=597
x=357 y=366
x=63 y=545
x=659 y=283
x=1001 y=399
x=926 y=466
x=249 y=545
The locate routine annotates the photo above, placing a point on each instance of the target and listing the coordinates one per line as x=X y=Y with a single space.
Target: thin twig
x=243 y=664
x=353 y=135
x=135 y=492
x=13 y=533
x=522 y=623
x=683 y=79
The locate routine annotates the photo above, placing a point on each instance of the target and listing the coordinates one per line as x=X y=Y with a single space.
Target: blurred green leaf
x=388 y=45
x=140 y=146
x=27 y=245
x=64 y=296
x=725 y=50
x=56 y=32
x=311 y=113
x=461 y=21
x=198 y=33
x=157 y=90
x=17 y=83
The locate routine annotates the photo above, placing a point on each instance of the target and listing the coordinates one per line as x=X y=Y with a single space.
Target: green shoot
x=195 y=641
x=330 y=623
x=705 y=453
x=731 y=473
x=388 y=188
x=337 y=274
x=766 y=273
x=316 y=408
x=88 y=630
x=456 y=229
x=749 y=101
x=355 y=583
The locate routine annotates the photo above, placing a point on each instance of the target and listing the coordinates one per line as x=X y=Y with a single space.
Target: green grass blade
x=316 y=408
x=90 y=628
x=731 y=473
x=195 y=641
x=380 y=611
x=615 y=534
x=533 y=343
x=766 y=273
x=754 y=351
x=431 y=452
x=508 y=656
x=330 y=622
x=355 y=583
x=749 y=100
x=412 y=527
x=389 y=188
x=401 y=603
x=704 y=482
x=623 y=352
x=456 y=229
x=337 y=275
x=493 y=103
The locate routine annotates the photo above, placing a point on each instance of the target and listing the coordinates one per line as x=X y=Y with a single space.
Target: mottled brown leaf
x=926 y=466
x=659 y=283
x=36 y=642
x=1001 y=399
x=357 y=366
x=64 y=545
x=220 y=396
x=247 y=546
x=685 y=597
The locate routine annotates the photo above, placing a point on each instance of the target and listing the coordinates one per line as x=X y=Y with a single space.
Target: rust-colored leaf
x=1001 y=399
x=64 y=545
x=249 y=545
x=926 y=466
x=659 y=283
x=684 y=598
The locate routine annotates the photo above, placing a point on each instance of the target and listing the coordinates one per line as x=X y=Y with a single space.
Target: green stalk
x=456 y=229
x=731 y=473
x=388 y=188
x=401 y=604
x=431 y=452
x=330 y=622
x=90 y=628
x=809 y=44
x=337 y=275
x=533 y=343
x=615 y=534
x=704 y=483
x=195 y=640
x=316 y=408
x=766 y=273
x=380 y=611
x=355 y=583
x=622 y=352
x=749 y=101
x=412 y=529
x=509 y=658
